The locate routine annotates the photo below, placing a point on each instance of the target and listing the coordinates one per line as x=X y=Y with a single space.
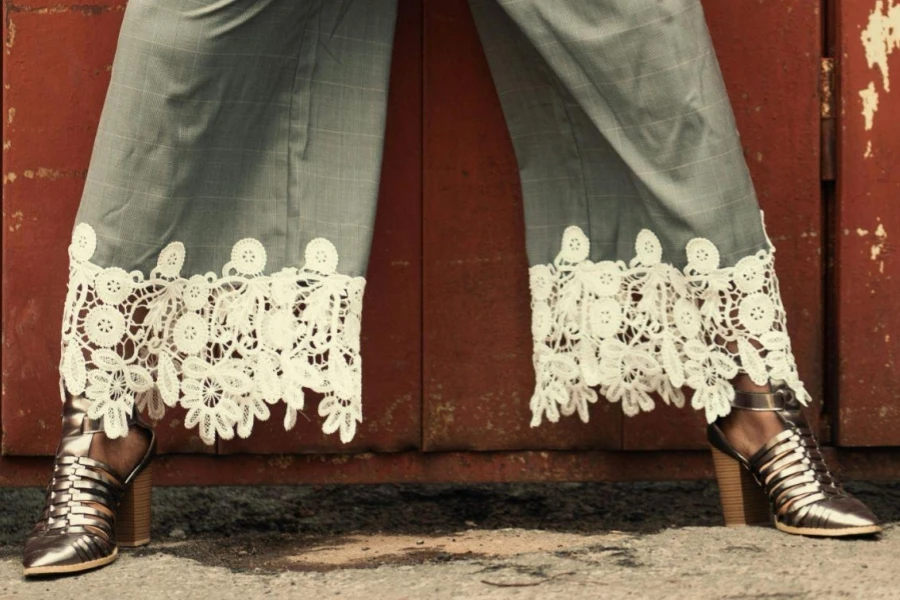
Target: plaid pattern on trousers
x=265 y=119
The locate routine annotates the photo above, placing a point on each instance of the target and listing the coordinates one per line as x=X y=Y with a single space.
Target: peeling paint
x=10 y=34
x=862 y=232
x=881 y=37
x=16 y=220
x=9 y=178
x=45 y=173
x=869 y=98
x=875 y=252
x=10 y=115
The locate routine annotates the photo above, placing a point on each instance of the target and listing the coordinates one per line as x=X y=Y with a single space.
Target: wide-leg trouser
x=219 y=255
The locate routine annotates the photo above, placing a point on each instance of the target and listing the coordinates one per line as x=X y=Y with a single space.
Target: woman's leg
x=230 y=202
x=221 y=242
x=628 y=153
x=651 y=270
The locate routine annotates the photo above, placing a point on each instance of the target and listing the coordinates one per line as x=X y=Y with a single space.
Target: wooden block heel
x=744 y=502
x=133 y=515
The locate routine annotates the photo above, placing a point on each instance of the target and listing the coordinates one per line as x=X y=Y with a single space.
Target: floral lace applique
x=224 y=348
x=647 y=328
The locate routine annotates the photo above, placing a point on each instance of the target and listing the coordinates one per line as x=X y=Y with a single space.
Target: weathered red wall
x=449 y=236
x=867 y=221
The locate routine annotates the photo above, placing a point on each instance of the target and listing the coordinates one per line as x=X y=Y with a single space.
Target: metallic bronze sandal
x=88 y=511
x=788 y=476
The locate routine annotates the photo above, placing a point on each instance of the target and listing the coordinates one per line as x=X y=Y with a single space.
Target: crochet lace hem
x=645 y=328
x=223 y=347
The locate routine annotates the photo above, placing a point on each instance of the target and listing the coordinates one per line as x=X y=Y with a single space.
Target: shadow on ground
x=320 y=528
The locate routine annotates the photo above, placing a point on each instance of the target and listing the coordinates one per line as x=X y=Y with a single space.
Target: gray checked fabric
x=620 y=122
x=241 y=118
x=265 y=119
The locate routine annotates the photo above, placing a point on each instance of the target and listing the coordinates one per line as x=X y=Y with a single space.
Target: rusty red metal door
x=866 y=44
x=447 y=341
x=477 y=362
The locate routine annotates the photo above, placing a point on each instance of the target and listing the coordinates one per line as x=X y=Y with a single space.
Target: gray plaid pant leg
x=620 y=121
x=651 y=270
x=260 y=120
x=225 y=226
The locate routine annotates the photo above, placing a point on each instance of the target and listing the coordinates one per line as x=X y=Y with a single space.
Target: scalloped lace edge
x=631 y=331
x=223 y=347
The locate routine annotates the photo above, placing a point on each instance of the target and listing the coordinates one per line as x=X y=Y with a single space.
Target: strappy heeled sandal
x=787 y=478
x=88 y=511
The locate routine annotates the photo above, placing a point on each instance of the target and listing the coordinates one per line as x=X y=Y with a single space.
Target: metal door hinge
x=827 y=112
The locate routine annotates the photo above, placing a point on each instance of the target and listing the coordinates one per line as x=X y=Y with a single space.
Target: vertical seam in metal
x=830 y=345
x=422 y=146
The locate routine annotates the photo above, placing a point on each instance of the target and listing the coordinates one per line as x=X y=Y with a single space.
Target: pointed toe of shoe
x=60 y=554
x=47 y=552
x=851 y=514
x=836 y=517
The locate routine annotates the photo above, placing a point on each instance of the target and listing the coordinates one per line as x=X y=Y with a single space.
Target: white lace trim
x=224 y=347
x=646 y=327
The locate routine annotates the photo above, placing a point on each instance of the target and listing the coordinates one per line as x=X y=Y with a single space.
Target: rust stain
x=84 y=9
x=826 y=88
x=281 y=461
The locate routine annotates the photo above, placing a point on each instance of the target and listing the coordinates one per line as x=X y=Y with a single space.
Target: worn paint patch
x=869 y=98
x=881 y=37
x=15 y=220
x=875 y=252
x=10 y=35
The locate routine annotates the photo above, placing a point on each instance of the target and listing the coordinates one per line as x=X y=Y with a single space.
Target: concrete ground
x=573 y=541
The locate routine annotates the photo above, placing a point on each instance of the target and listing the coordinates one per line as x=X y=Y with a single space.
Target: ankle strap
x=763 y=401
x=76 y=419
x=89 y=425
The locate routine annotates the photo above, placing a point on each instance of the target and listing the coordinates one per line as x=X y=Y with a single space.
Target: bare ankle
x=121 y=454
